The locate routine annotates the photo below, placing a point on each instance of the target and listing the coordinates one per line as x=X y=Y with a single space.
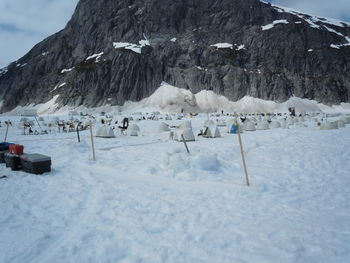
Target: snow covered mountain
x=115 y=51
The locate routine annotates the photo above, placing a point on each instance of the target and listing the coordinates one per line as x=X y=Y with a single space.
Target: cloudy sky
x=23 y=23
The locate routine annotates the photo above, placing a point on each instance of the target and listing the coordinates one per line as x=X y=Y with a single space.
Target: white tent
x=340 y=123
x=186 y=133
x=346 y=119
x=163 y=127
x=133 y=133
x=221 y=123
x=186 y=125
x=232 y=127
x=275 y=124
x=211 y=132
x=208 y=123
x=249 y=126
x=133 y=127
x=262 y=126
x=105 y=131
x=283 y=123
x=328 y=126
x=29 y=113
x=73 y=113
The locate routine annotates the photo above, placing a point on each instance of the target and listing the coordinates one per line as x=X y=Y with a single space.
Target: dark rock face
x=294 y=57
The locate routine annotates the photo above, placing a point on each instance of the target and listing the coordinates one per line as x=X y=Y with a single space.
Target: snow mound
x=168 y=98
x=194 y=167
x=302 y=105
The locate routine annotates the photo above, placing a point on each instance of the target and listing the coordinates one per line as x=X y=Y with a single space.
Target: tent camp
x=211 y=132
x=105 y=131
x=186 y=133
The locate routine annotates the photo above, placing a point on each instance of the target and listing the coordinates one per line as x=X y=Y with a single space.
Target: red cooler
x=16 y=149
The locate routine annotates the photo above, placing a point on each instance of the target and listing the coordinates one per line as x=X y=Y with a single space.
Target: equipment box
x=2 y=156
x=35 y=163
x=13 y=161
x=4 y=146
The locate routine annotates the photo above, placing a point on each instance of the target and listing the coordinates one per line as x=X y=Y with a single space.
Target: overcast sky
x=23 y=23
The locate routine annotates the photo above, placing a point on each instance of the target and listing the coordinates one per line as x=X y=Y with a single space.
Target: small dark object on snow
x=35 y=163
x=2 y=156
x=4 y=146
x=13 y=161
x=3 y=177
x=125 y=124
x=292 y=111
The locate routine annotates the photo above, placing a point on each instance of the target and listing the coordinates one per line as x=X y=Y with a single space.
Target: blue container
x=234 y=129
x=4 y=146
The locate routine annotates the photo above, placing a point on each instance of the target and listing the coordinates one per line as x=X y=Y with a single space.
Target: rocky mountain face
x=117 y=50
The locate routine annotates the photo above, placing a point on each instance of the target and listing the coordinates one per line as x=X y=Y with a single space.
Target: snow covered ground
x=146 y=200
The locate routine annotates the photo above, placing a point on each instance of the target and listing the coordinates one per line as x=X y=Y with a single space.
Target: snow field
x=146 y=200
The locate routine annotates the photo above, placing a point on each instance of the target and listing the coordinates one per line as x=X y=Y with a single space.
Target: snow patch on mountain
x=97 y=57
x=130 y=46
x=222 y=45
x=276 y=22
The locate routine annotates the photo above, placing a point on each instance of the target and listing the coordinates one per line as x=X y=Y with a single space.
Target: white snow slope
x=168 y=98
x=146 y=200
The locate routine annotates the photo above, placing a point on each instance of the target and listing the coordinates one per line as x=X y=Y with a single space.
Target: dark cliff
x=274 y=54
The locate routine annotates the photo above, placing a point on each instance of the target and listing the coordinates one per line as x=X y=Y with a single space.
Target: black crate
x=13 y=161
x=2 y=156
x=35 y=163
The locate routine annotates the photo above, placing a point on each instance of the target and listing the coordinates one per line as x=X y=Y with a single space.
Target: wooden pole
x=242 y=153
x=92 y=142
x=7 y=129
x=183 y=139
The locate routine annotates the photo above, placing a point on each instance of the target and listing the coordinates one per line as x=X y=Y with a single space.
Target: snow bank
x=168 y=98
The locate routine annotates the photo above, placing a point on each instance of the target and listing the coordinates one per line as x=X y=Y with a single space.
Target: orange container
x=16 y=149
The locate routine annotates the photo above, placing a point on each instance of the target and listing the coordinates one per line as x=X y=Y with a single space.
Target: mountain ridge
x=176 y=42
